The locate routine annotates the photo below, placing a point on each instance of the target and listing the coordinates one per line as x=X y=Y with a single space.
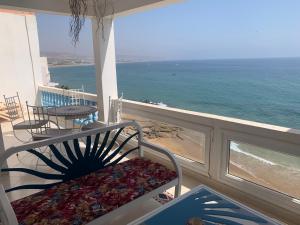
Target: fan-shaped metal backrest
x=73 y=157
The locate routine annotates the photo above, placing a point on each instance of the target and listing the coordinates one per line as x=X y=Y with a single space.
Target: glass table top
x=207 y=207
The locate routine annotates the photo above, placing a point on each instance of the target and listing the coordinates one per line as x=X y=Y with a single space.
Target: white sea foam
x=235 y=147
x=162 y=104
x=157 y=103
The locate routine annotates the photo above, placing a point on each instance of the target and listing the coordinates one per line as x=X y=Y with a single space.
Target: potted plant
x=79 y=10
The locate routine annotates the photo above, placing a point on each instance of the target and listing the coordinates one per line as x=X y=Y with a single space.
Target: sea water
x=262 y=90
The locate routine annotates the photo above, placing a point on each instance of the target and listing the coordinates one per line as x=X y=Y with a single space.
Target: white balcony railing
x=259 y=159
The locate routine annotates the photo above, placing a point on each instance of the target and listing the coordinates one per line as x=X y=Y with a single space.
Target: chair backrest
x=39 y=119
x=77 y=96
x=75 y=155
x=14 y=107
x=3 y=112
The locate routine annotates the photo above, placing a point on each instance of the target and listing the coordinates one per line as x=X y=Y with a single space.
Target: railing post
x=39 y=98
x=215 y=152
x=105 y=63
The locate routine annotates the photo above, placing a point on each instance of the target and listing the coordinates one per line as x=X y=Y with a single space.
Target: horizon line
x=175 y=60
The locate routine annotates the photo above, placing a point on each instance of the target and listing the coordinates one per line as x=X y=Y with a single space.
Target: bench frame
x=7 y=215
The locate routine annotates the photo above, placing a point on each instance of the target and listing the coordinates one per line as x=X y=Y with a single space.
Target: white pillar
x=105 y=62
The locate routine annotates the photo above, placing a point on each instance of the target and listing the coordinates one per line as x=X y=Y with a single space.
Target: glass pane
x=181 y=141
x=206 y=207
x=274 y=170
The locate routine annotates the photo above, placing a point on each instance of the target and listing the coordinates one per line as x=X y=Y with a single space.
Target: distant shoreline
x=179 y=60
x=85 y=64
x=68 y=65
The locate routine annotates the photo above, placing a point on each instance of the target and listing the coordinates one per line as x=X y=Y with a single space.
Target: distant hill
x=57 y=59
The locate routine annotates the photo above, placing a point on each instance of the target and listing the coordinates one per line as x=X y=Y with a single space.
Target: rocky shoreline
x=153 y=129
x=179 y=140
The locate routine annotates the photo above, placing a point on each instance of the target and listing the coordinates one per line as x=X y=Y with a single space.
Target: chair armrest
x=7 y=214
x=166 y=153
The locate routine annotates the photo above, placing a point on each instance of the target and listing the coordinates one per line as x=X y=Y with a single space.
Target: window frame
x=252 y=188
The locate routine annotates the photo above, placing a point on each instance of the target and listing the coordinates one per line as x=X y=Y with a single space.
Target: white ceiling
x=62 y=6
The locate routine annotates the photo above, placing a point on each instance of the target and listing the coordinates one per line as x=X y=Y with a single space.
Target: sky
x=193 y=29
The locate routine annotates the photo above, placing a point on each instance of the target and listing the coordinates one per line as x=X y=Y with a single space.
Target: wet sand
x=276 y=177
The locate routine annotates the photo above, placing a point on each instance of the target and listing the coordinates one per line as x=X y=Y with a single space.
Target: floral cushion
x=84 y=199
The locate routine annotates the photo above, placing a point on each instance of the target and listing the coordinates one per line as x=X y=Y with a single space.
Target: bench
x=87 y=178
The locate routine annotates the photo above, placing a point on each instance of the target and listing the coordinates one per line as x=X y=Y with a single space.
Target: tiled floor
x=29 y=161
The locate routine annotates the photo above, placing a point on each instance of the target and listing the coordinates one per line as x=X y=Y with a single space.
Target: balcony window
x=184 y=142
x=272 y=169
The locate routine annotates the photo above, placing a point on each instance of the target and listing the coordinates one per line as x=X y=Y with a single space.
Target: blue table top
x=206 y=206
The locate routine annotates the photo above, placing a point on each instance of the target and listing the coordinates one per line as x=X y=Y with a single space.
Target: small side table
x=72 y=112
x=203 y=205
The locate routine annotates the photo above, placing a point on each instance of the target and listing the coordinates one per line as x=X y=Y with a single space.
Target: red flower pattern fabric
x=86 y=198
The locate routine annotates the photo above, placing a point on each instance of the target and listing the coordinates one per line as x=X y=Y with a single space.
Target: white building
x=22 y=69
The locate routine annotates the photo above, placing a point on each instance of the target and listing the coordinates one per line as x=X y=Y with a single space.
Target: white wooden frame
x=275 y=138
x=252 y=188
x=7 y=214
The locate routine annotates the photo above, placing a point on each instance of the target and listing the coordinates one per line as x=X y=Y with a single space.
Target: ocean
x=262 y=90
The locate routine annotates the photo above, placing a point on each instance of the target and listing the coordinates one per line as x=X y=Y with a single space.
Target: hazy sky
x=194 y=29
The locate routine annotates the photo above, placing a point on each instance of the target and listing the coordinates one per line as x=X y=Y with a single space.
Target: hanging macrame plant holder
x=79 y=10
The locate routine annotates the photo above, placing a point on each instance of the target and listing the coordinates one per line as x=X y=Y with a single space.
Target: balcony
x=227 y=154
x=254 y=163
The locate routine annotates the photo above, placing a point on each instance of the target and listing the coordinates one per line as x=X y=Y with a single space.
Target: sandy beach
x=178 y=140
x=276 y=177
x=191 y=144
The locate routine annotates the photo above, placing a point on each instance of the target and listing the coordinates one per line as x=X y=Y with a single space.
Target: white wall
x=20 y=64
